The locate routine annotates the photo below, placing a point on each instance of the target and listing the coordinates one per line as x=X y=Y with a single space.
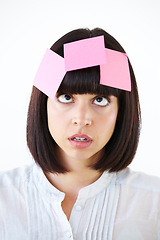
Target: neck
x=74 y=180
x=79 y=175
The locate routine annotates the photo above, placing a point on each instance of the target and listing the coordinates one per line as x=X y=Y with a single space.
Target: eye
x=65 y=98
x=101 y=101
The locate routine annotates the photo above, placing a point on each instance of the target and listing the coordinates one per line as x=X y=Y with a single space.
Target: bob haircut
x=122 y=146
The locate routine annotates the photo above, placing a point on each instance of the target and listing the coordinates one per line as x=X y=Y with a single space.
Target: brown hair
x=122 y=146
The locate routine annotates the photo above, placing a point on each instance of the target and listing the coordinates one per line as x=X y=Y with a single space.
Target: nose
x=79 y=122
x=82 y=116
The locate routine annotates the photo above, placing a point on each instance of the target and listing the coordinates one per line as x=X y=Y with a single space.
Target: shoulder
x=138 y=211
x=13 y=203
x=139 y=194
x=138 y=180
x=15 y=177
x=13 y=189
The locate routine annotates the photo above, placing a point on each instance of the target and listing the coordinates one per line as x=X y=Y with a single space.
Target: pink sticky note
x=50 y=73
x=84 y=53
x=115 y=73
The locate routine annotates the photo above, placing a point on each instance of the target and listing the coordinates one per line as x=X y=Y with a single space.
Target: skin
x=79 y=114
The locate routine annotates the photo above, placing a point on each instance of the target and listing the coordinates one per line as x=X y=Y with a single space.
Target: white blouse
x=118 y=206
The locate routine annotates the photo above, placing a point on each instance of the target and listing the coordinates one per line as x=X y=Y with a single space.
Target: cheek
x=52 y=120
x=56 y=123
x=108 y=124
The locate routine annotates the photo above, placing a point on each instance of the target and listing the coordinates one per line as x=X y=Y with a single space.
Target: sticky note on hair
x=84 y=53
x=50 y=73
x=115 y=73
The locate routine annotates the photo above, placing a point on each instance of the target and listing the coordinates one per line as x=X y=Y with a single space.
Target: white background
x=27 y=28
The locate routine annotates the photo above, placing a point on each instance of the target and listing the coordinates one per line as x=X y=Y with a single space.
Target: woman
x=82 y=131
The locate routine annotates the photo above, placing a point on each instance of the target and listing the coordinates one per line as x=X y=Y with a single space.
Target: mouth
x=80 y=141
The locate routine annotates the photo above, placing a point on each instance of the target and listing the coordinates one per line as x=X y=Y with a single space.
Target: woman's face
x=81 y=125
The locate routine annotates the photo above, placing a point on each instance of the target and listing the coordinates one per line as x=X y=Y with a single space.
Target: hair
x=121 y=148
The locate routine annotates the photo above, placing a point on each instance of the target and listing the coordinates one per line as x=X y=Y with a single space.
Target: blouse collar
x=51 y=192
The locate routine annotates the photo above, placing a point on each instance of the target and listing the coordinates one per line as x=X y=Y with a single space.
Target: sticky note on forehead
x=84 y=53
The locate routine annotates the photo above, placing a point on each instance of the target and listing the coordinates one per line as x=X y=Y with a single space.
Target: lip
x=80 y=144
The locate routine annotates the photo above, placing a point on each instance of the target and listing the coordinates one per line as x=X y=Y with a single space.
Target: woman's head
x=120 y=149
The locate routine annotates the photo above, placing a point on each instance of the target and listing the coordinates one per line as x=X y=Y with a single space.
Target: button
x=78 y=208
x=68 y=234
